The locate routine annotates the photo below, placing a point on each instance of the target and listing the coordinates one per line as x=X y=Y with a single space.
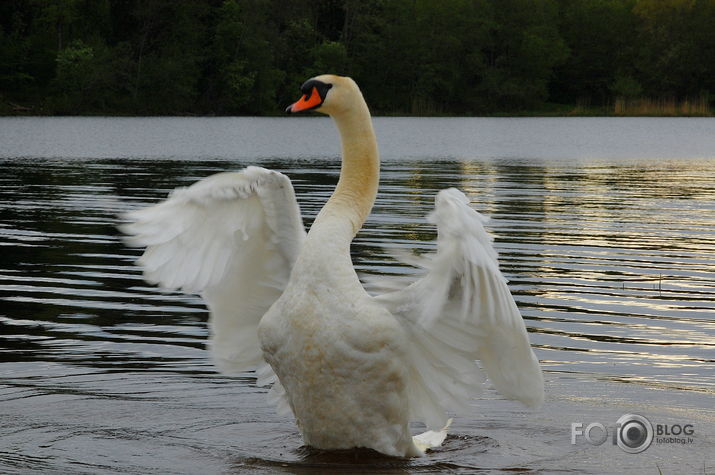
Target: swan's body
x=353 y=369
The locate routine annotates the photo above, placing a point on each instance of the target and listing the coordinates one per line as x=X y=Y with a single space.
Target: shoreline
x=526 y=115
x=641 y=107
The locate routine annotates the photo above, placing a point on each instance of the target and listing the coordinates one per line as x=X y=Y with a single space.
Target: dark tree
x=409 y=56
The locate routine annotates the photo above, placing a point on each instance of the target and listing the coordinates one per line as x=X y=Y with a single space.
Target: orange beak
x=307 y=102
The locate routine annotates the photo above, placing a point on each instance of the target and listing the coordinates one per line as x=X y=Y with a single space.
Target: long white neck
x=346 y=210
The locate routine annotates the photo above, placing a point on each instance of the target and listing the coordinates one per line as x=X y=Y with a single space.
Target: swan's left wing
x=461 y=310
x=233 y=238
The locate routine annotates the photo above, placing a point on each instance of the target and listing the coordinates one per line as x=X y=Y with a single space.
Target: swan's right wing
x=460 y=311
x=233 y=237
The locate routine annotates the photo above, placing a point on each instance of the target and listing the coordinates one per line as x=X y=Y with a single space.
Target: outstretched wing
x=458 y=311
x=233 y=237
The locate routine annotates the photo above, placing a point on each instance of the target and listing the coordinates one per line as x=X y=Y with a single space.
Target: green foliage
x=329 y=57
x=75 y=73
x=247 y=76
x=601 y=38
x=671 y=63
x=524 y=49
x=627 y=87
x=409 y=56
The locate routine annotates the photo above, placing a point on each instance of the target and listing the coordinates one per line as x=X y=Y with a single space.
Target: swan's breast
x=322 y=318
x=341 y=362
x=318 y=334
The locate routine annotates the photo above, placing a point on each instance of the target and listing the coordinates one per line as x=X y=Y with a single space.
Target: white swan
x=353 y=369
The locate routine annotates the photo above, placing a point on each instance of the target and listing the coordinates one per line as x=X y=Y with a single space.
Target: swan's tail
x=431 y=439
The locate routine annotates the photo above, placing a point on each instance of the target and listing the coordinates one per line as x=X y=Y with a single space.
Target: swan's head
x=328 y=94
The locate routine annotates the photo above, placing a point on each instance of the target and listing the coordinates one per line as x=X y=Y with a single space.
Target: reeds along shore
x=662 y=107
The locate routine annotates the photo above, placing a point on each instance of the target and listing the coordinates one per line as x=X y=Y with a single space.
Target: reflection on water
x=610 y=263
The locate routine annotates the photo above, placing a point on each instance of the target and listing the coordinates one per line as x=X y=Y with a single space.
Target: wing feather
x=233 y=238
x=460 y=310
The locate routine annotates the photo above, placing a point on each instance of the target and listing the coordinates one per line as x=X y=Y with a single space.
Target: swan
x=353 y=369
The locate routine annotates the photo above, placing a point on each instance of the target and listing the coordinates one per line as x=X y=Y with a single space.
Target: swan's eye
x=309 y=86
x=314 y=93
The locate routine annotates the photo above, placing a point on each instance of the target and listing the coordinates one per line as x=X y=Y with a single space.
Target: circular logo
x=634 y=433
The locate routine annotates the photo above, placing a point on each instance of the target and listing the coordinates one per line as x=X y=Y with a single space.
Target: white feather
x=354 y=369
x=458 y=311
x=233 y=237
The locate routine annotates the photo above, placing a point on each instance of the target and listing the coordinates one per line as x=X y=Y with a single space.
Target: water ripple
x=610 y=264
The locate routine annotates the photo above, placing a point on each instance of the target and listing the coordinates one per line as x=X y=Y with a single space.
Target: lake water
x=604 y=228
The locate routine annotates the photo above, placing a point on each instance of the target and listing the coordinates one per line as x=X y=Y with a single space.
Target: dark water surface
x=604 y=227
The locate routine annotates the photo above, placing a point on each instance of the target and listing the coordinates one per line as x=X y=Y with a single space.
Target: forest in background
x=414 y=57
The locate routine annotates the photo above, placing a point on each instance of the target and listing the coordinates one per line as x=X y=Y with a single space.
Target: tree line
x=420 y=57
